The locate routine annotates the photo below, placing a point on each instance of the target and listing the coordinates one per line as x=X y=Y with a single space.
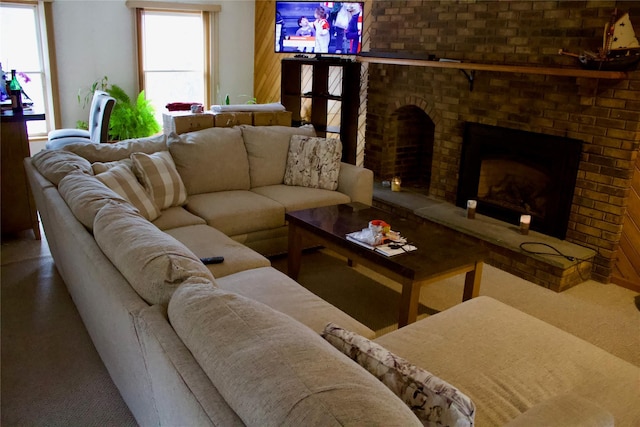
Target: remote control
x=212 y=260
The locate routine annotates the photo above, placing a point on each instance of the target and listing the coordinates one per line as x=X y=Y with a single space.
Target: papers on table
x=390 y=248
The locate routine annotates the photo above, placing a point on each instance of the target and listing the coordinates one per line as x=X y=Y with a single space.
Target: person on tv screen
x=354 y=31
x=340 y=25
x=305 y=29
x=281 y=32
x=321 y=25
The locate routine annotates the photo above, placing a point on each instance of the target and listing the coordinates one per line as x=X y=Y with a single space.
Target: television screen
x=317 y=27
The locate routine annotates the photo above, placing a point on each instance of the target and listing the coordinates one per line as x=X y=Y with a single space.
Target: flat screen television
x=319 y=27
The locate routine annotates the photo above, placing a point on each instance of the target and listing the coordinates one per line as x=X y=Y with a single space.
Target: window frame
x=209 y=14
x=45 y=35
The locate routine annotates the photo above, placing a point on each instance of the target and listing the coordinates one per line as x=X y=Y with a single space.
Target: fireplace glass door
x=511 y=172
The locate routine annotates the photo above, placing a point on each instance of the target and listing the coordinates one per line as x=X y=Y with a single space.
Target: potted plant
x=131 y=119
x=128 y=119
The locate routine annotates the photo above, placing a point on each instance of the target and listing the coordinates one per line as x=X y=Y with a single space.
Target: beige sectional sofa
x=239 y=343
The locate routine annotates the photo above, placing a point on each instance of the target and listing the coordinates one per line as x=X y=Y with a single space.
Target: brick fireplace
x=432 y=105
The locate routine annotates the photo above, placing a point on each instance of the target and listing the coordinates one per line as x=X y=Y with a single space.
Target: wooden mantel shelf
x=563 y=72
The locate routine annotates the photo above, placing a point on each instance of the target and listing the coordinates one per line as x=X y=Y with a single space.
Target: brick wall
x=604 y=114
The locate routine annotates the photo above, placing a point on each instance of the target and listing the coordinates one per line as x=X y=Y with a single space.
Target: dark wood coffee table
x=441 y=253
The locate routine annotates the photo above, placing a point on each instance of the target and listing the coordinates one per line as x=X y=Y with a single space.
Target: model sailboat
x=620 y=48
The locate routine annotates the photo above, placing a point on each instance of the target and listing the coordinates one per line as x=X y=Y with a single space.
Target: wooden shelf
x=562 y=72
x=322 y=113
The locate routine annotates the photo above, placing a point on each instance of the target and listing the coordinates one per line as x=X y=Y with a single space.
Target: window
x=174 y=53
x=26 y=55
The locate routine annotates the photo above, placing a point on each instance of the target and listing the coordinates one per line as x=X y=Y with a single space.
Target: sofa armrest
x=356 y=182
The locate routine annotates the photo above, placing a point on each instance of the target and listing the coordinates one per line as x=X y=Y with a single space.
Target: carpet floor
x=51 y=374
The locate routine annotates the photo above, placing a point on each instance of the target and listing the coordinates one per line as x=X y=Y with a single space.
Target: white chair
x=99 y=115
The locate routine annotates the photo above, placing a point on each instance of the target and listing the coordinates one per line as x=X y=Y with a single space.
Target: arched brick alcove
x=405 y=144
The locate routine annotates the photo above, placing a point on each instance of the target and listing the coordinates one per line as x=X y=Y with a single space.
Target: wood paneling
x=626 y=271
x=266 y=74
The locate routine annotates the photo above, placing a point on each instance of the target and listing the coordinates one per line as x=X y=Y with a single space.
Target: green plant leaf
x=130 y=120
x=119 y=94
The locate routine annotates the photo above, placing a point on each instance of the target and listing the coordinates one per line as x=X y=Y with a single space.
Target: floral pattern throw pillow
x=313 y=162
x=434 y=401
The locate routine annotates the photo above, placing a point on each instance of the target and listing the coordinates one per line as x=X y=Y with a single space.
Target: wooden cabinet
x=18 y=207
x=326 y=93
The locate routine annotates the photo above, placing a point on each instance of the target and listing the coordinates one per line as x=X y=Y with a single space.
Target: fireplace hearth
x=512 y=172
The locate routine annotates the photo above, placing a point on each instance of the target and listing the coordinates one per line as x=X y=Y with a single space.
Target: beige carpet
x=604 y=315
x=51 y=372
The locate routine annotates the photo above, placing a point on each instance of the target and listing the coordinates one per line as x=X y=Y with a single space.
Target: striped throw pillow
x=100 y=167
x=122 y=180
x=157 y=173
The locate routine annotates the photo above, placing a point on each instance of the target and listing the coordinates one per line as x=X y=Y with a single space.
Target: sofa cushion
x=181 y=389
x=153 y=262
x=280 y=292
x=295 y=198
x=434 y=401
x=273 y=370
x=122 y=180
x=237 y=212
x=159 y=176
x=212 y=159
x=119 y=150
x=268 y=242
x=86 y=195
x=205 y=241
x=563 y=411
x=268 y=147
x=176 y=216
x=56 y=164
x=313 y=162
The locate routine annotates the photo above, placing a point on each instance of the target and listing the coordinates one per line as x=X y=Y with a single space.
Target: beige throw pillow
x=434 y=401
x=122 y=180
x=159 y=176
x=101 y=167
x=313 y=162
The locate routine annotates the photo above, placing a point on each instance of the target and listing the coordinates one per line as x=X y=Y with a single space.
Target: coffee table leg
x=294 y=254
x=409 y=302
x=472 y=282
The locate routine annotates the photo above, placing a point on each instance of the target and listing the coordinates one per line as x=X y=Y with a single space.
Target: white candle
x=471 y=209
x=396 y=181
x=525 y=221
